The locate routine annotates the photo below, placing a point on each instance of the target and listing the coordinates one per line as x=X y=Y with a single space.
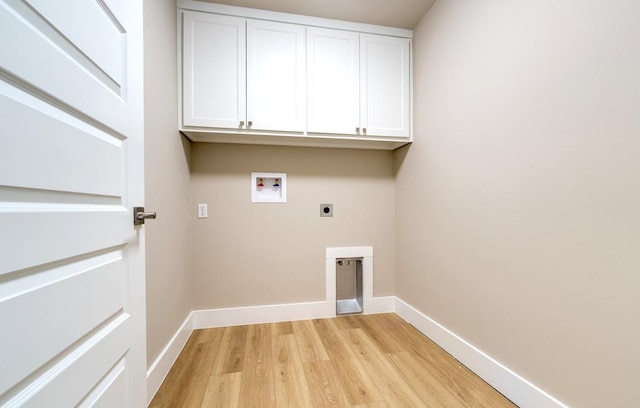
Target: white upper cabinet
x=333 y=67
x=259 y=77
x=276 y=81
x=359 y=84
x=243 y=74
x=213 y=70
x=385 y=86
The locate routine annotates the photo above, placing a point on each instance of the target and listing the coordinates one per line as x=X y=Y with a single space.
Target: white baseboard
x=378 y=305
x=281 y=313
x=517 y=389
x=259 y=314
x=161 y=366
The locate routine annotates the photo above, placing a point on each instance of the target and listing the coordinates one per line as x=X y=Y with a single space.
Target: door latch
x=139 y=215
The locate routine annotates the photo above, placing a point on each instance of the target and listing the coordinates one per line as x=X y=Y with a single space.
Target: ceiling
x=393 y=13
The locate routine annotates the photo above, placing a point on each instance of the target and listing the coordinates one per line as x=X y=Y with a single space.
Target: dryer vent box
x=349 y=286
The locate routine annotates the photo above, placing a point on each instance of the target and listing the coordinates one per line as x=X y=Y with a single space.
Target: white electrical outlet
x=203 y=212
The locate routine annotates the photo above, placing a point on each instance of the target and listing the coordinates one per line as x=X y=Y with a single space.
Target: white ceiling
x=393 y=13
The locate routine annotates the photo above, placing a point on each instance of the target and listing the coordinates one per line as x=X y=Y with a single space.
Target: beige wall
x=518 y=206
x=169 y=279
x=249 y=254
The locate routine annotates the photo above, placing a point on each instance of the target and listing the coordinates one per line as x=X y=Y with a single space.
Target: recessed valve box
x=268 y=187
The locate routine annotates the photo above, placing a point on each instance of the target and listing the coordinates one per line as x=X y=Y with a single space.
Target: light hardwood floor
x=371 y=361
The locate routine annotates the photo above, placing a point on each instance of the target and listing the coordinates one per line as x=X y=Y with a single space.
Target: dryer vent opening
x=349 y=286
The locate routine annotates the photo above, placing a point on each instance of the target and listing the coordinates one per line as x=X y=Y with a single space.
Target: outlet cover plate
x=203 y=211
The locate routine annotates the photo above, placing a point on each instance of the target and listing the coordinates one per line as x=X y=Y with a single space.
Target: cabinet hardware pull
x=358 y=131
x=364 y=131
x=242 y=123
x=249 y=124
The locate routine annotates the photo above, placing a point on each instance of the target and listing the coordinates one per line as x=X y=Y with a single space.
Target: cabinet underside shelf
x=295 y=139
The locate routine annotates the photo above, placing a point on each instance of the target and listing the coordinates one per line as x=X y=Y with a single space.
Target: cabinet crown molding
x=292 y=18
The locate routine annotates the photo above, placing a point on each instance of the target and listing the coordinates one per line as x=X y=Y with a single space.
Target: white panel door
x=214 y=70
x=71 y=169
x=276 y=96
x=385 y=86
x=333 y=81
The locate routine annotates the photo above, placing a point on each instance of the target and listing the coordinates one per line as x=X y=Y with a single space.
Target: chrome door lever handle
x=139 y=215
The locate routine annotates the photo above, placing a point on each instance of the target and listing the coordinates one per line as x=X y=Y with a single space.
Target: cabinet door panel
x=333 y=87
x=276 y=76
x=384 y=84
x=214 y=67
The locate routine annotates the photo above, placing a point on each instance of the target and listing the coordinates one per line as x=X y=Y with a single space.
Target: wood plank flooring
x=363 y=361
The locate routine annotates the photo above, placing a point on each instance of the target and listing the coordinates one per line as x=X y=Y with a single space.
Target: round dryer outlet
x=326 y=210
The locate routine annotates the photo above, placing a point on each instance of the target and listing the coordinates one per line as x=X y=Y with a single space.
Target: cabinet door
x=384 y=84
x=332 y=82
x=276 y=76
x=214 y=71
